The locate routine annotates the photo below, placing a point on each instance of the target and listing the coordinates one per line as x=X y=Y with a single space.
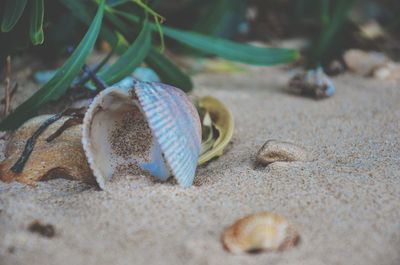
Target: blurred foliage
x=128 y=27
x=332 y=26
x=135 y=30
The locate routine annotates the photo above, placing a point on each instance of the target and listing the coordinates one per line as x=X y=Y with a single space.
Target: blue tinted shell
x=175 y=123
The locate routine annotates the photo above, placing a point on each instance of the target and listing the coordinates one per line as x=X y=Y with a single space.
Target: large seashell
x=263 y=231
x=62 y=157
x=150 y=127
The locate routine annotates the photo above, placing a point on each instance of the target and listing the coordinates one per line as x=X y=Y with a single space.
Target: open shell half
x=149 y=127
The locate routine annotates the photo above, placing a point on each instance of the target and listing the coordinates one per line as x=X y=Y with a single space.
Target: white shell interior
x=118 y=140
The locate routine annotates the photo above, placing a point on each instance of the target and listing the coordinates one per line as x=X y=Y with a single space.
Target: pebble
x=362 y=62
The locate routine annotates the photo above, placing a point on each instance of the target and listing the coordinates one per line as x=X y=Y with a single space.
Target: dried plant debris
x=7 y=86
x=217 y=127
x=45 y=230
x=275 y=150
x=61 y=157
x=259 y=232
x=313 y=83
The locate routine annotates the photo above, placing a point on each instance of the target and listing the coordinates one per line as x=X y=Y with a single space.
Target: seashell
x=263 y=231
x=145 y=128
x=216 y=113
x=275 y=150
x=390 y=72
x=313 y=83
x=140 y=73
x=62 y=157
x=364 y=63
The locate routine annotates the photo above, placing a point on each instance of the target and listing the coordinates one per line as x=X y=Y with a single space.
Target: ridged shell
x=176 y=124
x=150 y=127
x=263 y=231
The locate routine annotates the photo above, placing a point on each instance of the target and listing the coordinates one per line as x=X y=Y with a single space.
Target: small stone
x=313 y=83
x=275 y=150
x=364 y=63
x=45 y=230
x=11 y=249
x=335 y=68
x=62 y=157
x=389 y=72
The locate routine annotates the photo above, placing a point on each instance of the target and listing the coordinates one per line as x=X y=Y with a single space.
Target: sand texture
x=345 y=203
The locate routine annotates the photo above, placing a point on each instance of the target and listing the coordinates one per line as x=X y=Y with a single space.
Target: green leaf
x=12 y=13
x=221 y=18
x=168 y=71
x=326 y=41
x=224 y=48
x=57 y=86
x=231 y=50
x=116 y=2
x=36 y=25
x=131 y=59
x=118 y=23
x=81 y=11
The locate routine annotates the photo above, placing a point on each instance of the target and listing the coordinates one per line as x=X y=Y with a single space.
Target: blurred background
x=366 y=24
x=334 y=36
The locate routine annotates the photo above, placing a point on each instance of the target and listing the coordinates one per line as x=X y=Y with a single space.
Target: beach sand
x=345 y=203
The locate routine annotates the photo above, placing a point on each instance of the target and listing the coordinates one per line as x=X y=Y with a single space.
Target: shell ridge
x=176 y=155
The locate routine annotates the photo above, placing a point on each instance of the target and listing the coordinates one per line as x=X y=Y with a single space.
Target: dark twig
x=86 y=76
x=30 y=144
x=15 y=88
x=77 y=118
x=100 y=84
x=67 y=124
x=7 y=83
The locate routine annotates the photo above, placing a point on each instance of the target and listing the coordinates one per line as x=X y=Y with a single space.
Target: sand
x=345 y=203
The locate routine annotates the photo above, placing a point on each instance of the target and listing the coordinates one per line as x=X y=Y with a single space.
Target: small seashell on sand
x=275 y=150
x=62 y=157
x=388 y=72
x=314 y=83
x=142 y=128
x=258 y=232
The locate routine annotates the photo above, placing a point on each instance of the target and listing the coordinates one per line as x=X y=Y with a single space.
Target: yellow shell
x=263 y=231
x=62 y=157
x=223 y=121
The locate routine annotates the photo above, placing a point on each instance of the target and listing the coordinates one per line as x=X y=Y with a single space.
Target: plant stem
x=7 y=92
x=100 y=84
